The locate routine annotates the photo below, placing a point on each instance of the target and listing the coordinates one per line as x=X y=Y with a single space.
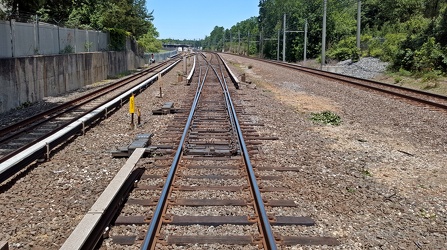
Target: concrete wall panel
x=30 y=79
x=5 y=39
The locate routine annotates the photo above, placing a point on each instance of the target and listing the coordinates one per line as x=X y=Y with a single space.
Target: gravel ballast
x=377 y=181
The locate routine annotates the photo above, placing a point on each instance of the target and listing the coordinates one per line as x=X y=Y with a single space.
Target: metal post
x=36 y=37
x=12 y=24
x=323 y=42
x=239 y=45
x=248 y=44
x=305 y=41
x=231 y=42
x=58 y=38
x=284 y=40
x=359 y=8
x=277 y=49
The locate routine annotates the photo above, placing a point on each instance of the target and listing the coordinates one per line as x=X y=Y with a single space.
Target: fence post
x=75 y=39
x=12 y=26
x=87 y=41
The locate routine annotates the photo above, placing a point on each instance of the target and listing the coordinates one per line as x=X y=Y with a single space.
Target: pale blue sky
x=195 y=19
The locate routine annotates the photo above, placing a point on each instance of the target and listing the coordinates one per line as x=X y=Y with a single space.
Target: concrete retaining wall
x=30 y=79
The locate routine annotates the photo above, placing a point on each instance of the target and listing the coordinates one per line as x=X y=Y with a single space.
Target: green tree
x=149 y=40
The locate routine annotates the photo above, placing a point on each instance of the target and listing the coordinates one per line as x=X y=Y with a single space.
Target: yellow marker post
x=132 y=107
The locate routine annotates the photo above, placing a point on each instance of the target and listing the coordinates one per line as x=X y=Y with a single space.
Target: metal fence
x=26 y=39
x=158 y=57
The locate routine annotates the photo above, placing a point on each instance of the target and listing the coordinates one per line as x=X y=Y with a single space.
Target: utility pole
x=323 y=42
x=305 y=41
x=261 y=41
x=284 y=40
x=359 y=10
x=248 y=44
x=231 y=42
x=294 y=31
x=239 y=46
x=277 y=48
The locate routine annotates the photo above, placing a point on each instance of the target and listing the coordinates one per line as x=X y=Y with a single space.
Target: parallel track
x=17 y=138
x=414 y=96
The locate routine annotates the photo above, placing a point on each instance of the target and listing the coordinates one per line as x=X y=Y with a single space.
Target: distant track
x=18 y=137
x=414 y=96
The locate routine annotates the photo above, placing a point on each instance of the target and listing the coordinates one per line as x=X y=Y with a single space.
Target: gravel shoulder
x=377 y=181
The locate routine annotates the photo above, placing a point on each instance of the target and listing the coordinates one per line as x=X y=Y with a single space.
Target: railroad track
x=414 y=96
x=16 y=138
x=199 y=190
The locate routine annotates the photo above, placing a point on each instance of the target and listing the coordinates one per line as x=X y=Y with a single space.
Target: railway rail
x=203 y=192
x=415 y=96
x=35 y=137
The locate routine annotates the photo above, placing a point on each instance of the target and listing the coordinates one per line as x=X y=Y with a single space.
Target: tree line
x=410 y=34
x=121 y=18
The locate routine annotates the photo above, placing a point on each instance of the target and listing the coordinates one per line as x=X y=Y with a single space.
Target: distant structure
x=178 y=47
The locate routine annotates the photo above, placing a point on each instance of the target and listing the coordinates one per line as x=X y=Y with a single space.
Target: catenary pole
x=359 y=10
x=323 y=42
x=284 y=40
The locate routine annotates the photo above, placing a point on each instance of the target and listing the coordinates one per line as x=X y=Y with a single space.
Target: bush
x=345 y=49
x=429 y=57
x=117 y=39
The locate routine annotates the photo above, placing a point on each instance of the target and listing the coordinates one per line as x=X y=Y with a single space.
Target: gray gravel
x=366 y=67
x=377 y=181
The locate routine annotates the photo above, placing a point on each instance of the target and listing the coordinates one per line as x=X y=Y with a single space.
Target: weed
x=430 y=85
x=350 y=189
x=431 y=76
x=67 y=50
x=397 y=79
x=25 y=105
x=326 y=117
x=426 y=214
x=403 y=72
x=366 y=173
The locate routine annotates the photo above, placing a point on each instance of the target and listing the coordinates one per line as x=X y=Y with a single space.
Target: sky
x=195 y=19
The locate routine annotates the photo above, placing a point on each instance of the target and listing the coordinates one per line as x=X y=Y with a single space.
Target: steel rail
x=265 y=224
x=149 y=239
x=14 y=164
x=55 y=112
x=10 y=131
x=357 y=81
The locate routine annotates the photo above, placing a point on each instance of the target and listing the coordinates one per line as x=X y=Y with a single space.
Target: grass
x=326 y=117
x=366 y=173
x=432 y=81
x=120 y=75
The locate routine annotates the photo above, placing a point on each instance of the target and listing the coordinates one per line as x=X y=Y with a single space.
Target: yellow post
x=132 y=108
